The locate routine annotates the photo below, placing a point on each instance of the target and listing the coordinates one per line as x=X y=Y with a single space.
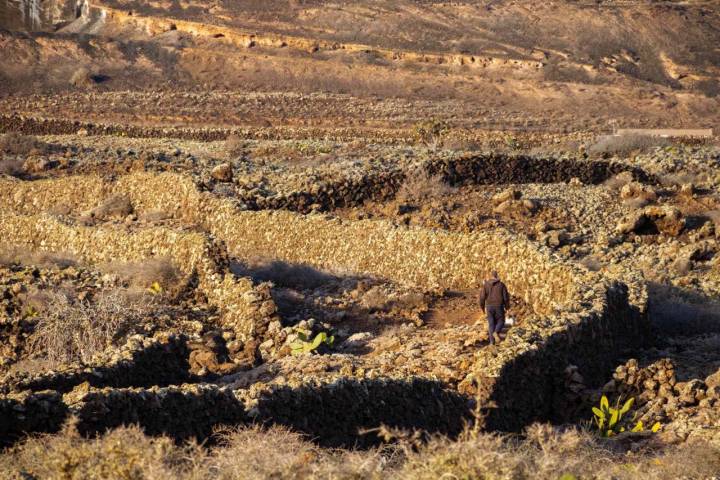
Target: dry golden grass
x=276 y=453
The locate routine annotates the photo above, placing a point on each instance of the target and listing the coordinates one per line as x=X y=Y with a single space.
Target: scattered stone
x=222 y=172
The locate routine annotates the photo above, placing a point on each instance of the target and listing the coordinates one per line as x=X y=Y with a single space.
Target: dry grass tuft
x=124 y=453
x=11 y=166
x=141 y=275
x=117 y=206
x=714 y=216
x=419 y=186
x=70 y=331
x=618 y=181
x=277 y=453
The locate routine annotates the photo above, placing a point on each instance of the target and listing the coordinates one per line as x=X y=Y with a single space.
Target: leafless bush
x=420 y=186
x=674 y=313
x=155 y=216
x=376 y=299
x=431 y=132
x=141 y=275
x=682 y=178
x=462 y=144
x=626 y=144
x=17 y=144
x=69 y=330
x=409 y=301
x=636 y=202
x=714 y=216
x=710 y=88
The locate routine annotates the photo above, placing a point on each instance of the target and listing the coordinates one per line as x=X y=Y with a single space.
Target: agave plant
x=609 y=419
x=304 y=345
x=155 y=288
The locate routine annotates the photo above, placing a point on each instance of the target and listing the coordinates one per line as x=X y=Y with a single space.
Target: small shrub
x=283 y=274
x=18 y=144
x=143 y=275
x=714 y=217
x=420 y=186
x=117 y=206
x=83 y=77
x=431 y=132
x=69 y=331
x=626 y=144
x=618 y=181
x=591 y=263
x=18 y=256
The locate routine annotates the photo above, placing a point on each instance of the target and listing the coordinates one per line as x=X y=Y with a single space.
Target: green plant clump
x=304 y=345
x=609 y=420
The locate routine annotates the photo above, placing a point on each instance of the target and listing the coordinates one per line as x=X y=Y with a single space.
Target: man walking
x=494 y=300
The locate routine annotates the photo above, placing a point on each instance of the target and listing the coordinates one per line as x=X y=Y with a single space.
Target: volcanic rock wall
x=247 y=309
x=141 y=362
x=334 y=413
x=498 y=168
x=581 y=318
x=428 y=258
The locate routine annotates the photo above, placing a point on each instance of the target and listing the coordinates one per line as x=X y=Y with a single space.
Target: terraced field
x=278 y=217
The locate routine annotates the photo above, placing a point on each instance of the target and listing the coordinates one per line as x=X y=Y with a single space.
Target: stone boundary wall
x=141 y=362
x=55 y=126
x=182 y=412
x=417 y=256
x=332 y=413
x=246 y=308
x=525 y=381
x=351 y=190
x=497 y=168
x=582 y=318
x=337 y=413
x=28 y=412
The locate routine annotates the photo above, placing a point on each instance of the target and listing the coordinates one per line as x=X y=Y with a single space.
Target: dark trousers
x=496 y=320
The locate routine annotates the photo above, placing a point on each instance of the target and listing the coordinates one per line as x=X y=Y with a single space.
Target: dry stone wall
x=141 y=362
x=182 y=412
x=428 y=258
x=497 y=168
x=24 y=412
x=336 y=413
x=581 y=318
x=247 y=309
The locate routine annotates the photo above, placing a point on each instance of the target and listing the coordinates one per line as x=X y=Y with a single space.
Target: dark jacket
x=494 y=294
